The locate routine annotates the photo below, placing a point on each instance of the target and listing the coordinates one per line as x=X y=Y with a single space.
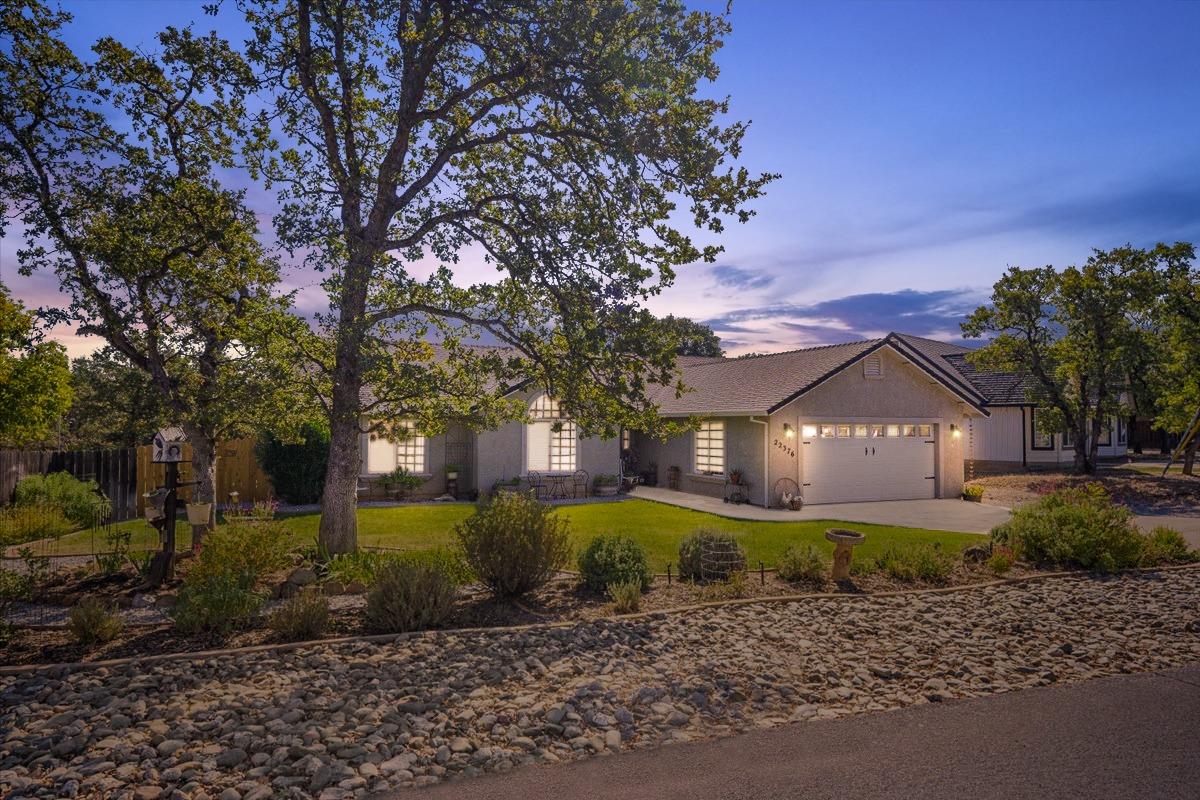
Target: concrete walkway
x=938 y=515
x=1128 y=736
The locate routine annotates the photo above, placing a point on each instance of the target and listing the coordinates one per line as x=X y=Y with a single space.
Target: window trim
x=1066 y=440
x=417 y=441
x=564 y=444
x=707 y=428
x=1122 y=431
x=1106 y=435
x=1033 y=433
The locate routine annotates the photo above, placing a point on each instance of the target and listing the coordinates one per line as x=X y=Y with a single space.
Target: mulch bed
x=562 y=600
x=1141 y=493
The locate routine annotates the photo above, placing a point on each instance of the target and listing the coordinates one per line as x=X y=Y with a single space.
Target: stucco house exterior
x=870 y=420
x=549 y=443
x=901 y=417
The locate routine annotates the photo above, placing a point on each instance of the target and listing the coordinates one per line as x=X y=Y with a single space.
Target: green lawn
x=658 y=527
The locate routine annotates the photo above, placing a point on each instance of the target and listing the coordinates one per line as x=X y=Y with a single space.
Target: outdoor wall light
x=955 y=431
x=788 y=431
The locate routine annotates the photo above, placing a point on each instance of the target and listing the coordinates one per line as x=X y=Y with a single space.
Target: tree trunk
x=1093 y=445
x=1080 y=464
x=1189 y=459
x=204 y=473
x=338 y=532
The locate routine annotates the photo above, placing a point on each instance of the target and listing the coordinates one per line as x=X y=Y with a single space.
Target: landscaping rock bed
x=345 y=720
x=1143 y=494
x=561 y=600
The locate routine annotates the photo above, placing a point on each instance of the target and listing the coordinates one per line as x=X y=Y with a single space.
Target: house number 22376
x=791 y=453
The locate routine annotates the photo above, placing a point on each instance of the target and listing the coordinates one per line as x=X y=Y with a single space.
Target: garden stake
x=668 y=574
x=762 y=574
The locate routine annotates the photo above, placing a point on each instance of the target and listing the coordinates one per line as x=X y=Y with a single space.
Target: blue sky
x=924 y=148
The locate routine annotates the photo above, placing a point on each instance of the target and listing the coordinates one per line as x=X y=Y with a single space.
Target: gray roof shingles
x=755 y=384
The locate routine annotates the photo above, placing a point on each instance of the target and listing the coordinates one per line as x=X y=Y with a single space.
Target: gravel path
x=338 y=721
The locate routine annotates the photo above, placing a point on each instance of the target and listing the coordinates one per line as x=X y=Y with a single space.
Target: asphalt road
x=1135 y=736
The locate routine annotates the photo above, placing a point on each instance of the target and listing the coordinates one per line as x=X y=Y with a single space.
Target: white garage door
x=845 y=463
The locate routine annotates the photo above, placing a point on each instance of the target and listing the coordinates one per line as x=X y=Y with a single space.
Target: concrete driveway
x=1123 y=737
x=938 y=515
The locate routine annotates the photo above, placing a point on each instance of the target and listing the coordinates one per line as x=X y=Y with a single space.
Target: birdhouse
x=168 y=445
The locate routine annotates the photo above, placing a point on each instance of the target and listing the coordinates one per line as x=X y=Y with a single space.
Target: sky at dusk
x=924 y=147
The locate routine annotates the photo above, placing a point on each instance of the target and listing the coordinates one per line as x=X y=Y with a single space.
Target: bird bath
x=843 y=546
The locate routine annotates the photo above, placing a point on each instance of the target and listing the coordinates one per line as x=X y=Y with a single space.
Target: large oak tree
x=567 y=144
x=35 y=384
x=1077 y=335
x=110 y=167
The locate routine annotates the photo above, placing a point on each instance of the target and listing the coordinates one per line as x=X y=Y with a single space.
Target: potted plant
x=401 y=482
x=606 y=485
x=735 y=477
x=451 y=472
x=506 y=485
x=650 y=475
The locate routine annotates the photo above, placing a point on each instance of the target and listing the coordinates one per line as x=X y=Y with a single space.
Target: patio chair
x=537 y=484
x=579 y=483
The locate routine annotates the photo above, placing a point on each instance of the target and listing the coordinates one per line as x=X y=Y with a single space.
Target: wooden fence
x=113 y=470
x=237 y=471
x=125 y=474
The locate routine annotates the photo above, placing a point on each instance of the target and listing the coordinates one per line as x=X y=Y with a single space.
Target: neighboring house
x=883 y=419
x=1014 y=436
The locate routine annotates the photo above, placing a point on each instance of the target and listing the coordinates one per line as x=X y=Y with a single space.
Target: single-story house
x=881 y=419
x=548 y=443
x=869 y=420
x=1012 y=437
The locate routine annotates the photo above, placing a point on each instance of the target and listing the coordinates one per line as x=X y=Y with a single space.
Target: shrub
x=732 y=588
x=117 y=556
x=514 y=543
x=707 y=555
x=1166 y=546
x=20 y=524
x=914 y=562
x=1074 y=527
x=79 y=501
x=973 y=493
x=802 y=562
x=296 y=469
x=626 y=596
x=303 y=617
x=611 y=559
x=1001 y=561
x=93 y=622
x=409 y=597
x=363 y=565
x=222 y=589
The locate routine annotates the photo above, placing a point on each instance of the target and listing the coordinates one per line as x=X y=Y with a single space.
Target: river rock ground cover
x=350 y=719
x=41 y=635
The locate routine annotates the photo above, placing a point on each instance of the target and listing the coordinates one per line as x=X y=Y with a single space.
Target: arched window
x=551 y=440
x=545 y=407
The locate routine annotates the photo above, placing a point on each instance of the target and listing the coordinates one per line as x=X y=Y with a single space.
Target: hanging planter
x=199 y=513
